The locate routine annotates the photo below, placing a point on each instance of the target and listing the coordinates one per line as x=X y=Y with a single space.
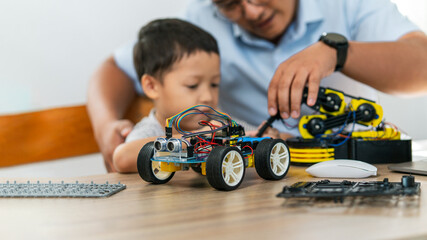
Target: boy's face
x=193 y=80
x=267 y=19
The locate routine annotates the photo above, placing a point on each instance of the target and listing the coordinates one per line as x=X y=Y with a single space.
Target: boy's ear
x=151 y=86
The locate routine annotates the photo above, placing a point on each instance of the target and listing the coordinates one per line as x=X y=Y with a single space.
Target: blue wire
x=176 y=120
x=348 y=136
x=209 y=115
x=329 y=136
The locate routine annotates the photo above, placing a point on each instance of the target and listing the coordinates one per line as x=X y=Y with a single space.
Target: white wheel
x=225 y=168
x=272 y=159
x=232 y=168
x=279 y=159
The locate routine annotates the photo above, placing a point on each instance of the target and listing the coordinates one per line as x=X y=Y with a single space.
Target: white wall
x=50 y=48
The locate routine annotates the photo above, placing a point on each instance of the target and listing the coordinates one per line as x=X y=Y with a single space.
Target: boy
x=179 y=67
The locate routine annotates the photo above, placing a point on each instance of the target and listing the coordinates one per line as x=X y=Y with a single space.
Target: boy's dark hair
x=163 y=42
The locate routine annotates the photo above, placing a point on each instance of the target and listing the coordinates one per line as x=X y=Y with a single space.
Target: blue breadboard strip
x=77 y=190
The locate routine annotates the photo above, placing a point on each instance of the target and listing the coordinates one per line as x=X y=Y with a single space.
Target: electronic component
x=221 y=153
x=160 y=144
x=329 y=101
x=339 y=190
x=331 y=133
x=174 y=145
x=324 y=136
x=14 y=189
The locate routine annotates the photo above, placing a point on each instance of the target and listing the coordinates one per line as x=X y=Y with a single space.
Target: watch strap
x=341 y=47
x=341 y=56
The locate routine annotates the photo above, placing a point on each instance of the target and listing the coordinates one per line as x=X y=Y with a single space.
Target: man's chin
x=269 y=36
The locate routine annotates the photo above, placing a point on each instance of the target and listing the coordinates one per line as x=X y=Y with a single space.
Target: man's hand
x=110 y=94
x=307 y=67
x=113 y=134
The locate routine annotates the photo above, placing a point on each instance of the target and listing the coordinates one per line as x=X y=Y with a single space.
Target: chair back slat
x=53 y=133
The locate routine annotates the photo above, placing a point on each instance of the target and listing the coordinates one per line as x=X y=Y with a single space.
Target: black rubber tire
x=144 y=165
x=214 y=168
x=263 y=159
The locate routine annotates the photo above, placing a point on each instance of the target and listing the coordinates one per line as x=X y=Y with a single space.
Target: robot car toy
x=222 y=152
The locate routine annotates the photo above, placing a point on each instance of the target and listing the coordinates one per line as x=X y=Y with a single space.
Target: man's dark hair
x=163 y=42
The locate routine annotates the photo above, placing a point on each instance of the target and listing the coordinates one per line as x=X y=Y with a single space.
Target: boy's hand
x=113 y=135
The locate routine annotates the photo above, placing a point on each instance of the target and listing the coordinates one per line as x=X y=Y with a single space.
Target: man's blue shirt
x=248 y=62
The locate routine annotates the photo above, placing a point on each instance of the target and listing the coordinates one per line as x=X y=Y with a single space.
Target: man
x=270 y=50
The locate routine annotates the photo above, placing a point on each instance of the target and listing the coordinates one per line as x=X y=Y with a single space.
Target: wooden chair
x=53 y=133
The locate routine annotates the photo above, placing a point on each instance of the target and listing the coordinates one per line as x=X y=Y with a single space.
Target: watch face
x=335 y=38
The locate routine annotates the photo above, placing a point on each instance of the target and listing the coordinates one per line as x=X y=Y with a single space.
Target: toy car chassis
x=221 y=154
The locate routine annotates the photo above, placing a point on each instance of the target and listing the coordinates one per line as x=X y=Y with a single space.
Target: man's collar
x=308 y=12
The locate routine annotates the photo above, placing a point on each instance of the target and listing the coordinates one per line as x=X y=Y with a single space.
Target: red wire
x=203 y=144
x=252 y=150
x=344 y=136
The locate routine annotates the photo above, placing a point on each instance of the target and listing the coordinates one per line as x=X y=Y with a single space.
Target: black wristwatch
x=340 y=43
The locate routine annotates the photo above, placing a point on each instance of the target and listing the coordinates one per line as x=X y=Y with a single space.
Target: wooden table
x=188 y=208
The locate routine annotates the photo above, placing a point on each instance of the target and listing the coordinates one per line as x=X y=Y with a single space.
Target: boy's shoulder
x=149 y=126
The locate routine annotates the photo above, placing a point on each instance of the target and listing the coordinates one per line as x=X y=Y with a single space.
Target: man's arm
x=110 y=94
x=391 y=67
